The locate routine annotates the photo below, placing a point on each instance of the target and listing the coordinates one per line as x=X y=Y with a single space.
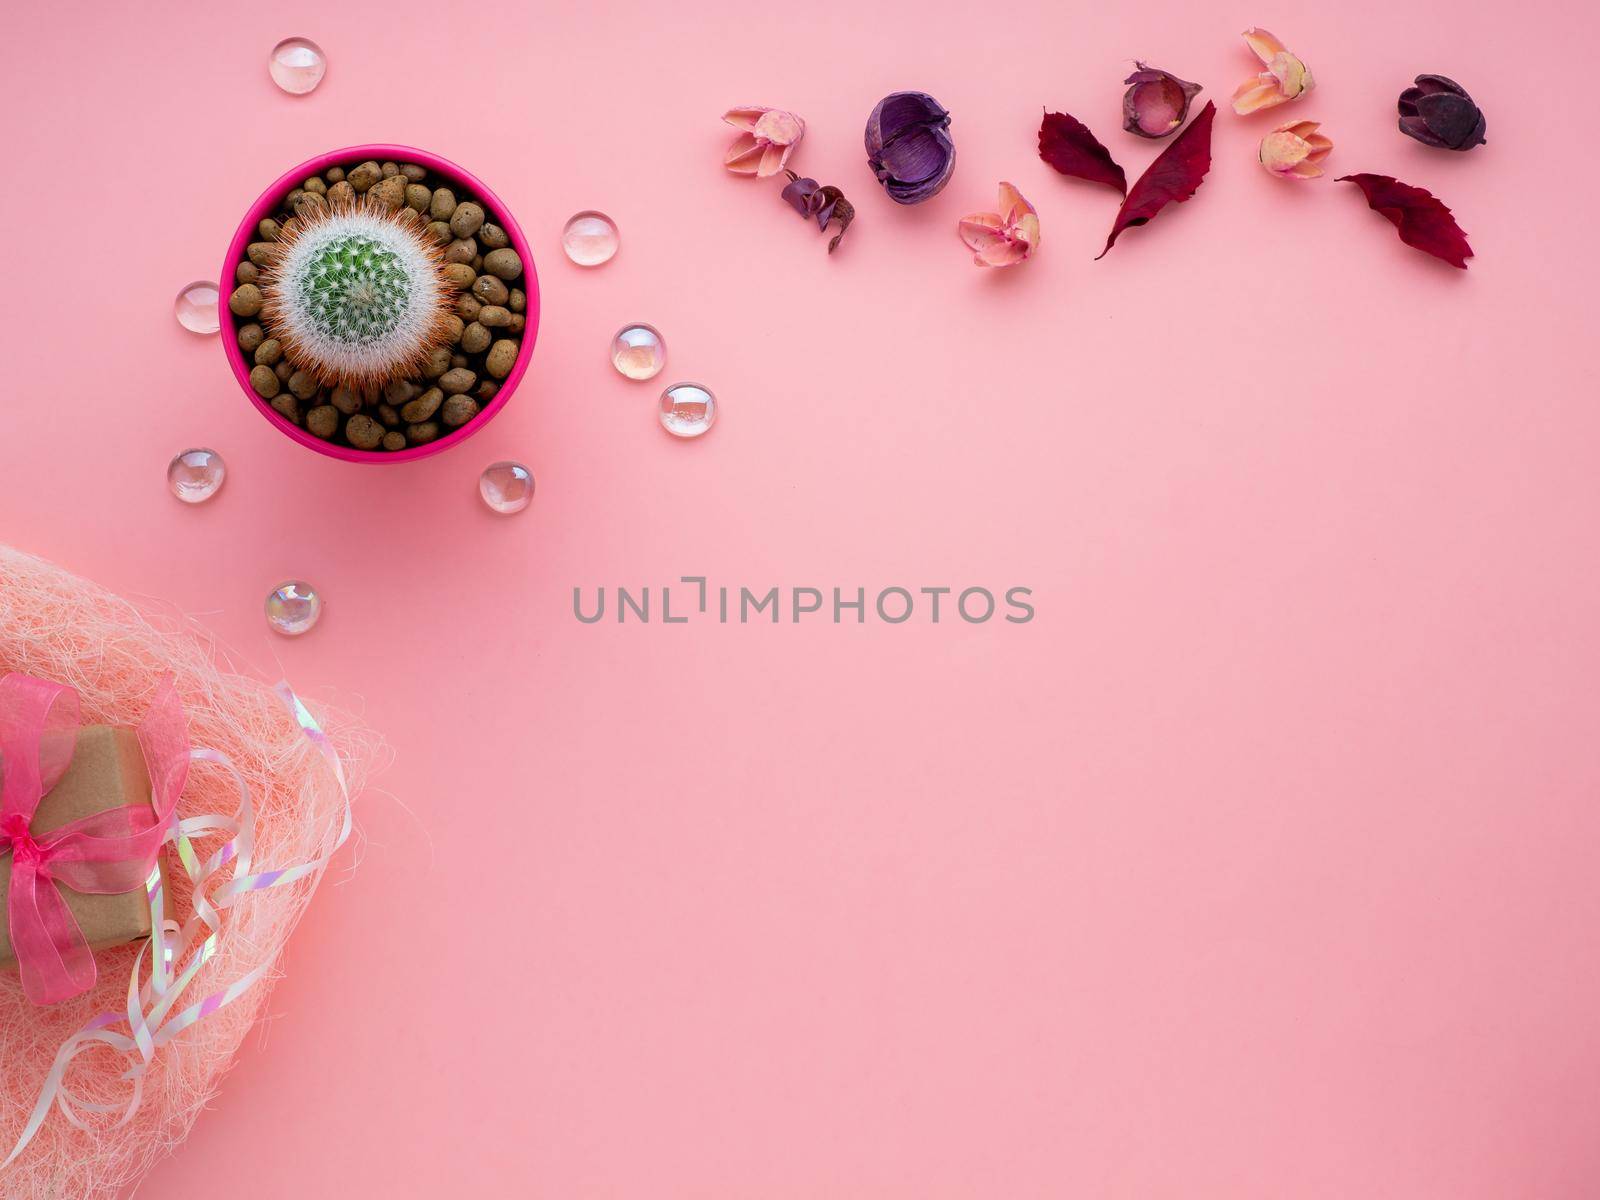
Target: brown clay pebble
x=303 y=384
x=490 y=290
x=518 y=323
x=269 y=352
x=465 y=220
x=477 y=263
x=519 y=300
x=250 y=337
x=394 y=440
x=391 y=192
x=443 y=204
x=457 y=379
x=413 y=172
x=389 y=415
x=342 y=193
x=458 y=410
x=400 y=391
x=294 y=197
x=487 y=389
x=475 y=338
x=245 y=301
x=323 y=420
x=334 y=174
x=260 y=253
x=283 y=368
x=315 y=184
x=423 y=407
x=390 y=170
x=364 y=176
x=494 y=316
x=268 y=230
x=503 y=263
x=345 y=400
x=246 y=272
x=461 y=251
x=467 y=306
x=438 y=363
x=502 y=357
x=456 y=325
x=492 y=237
x=425 y=431
x=460 y=274
x=264 y=381
x=439 y=231
x=363 y=432
x=287 y=406
x=417 y=197
x=458 y=359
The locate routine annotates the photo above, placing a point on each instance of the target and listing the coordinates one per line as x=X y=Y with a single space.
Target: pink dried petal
x=744 y=118
x=766 y=139
x=1295 y=150
x=1286 y=77
x=1263 y=44
x=1005 y=238
x=744 y=155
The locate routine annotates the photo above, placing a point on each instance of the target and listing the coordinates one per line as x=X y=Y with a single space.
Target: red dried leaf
x=1171 y=179
x=1423 y=221
x=1067 y=145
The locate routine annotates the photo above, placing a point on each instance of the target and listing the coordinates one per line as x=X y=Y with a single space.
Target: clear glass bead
x=196 y=307
x=297 y=65
x=293 y=608
x=506 y=487
x=688 y=409
x=590 y=238
x=196 y=475
x=638 y=352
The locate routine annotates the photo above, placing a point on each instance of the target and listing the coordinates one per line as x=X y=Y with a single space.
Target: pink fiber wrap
x=115 y=656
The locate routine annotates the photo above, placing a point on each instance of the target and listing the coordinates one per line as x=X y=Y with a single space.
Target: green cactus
x=356 y=295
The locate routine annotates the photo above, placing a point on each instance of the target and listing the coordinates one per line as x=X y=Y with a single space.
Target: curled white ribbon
x=177 y=953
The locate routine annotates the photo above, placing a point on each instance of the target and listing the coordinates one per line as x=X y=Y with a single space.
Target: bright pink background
x=1261 y=864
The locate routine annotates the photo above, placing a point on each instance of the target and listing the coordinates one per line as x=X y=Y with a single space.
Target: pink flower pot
x=270 y=201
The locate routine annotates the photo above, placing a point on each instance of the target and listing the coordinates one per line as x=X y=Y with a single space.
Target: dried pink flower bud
x=1005 y=238
x=766 y=139
x=1286 y=77
x=1295 y=150
x=1156 y=102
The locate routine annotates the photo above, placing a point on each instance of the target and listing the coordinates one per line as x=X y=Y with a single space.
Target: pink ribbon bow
x=105 y=853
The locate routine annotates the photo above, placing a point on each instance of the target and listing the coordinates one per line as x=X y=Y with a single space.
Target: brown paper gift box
x=107 y=771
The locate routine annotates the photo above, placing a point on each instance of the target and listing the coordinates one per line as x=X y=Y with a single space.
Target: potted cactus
x=383 y=305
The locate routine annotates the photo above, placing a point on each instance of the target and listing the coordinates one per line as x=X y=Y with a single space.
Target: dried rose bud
x=1156 y=102
x=1005 y=238
x=767 y=137
x=810 y=199
x=1295 y=150
x=909 y=147
x=1286 y=77
x=1438 y=112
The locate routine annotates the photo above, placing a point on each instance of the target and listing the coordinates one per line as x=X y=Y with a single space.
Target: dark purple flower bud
x=909 y=146
x=1439 y=113
x=1156 y=102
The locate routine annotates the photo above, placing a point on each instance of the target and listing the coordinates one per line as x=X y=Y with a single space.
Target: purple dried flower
x=909 y=147
x=811 y=199
x=1439 y=113
x=1156 y=102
